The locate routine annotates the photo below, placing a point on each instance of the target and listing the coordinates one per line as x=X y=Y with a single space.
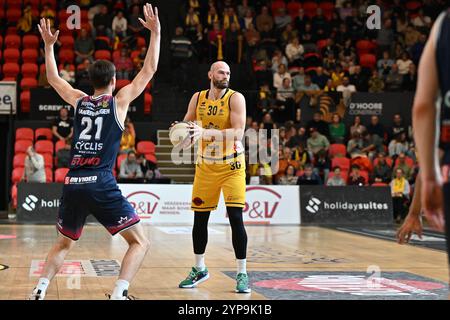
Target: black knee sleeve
x=200 y=231
x=239 y=235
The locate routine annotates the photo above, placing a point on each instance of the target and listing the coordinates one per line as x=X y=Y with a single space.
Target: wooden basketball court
x=271 y=249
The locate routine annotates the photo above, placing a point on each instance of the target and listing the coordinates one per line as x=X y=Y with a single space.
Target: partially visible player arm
x=190 y=114
x=131 y=91
x=237 y=119
x=62 y=87
x=425 y=134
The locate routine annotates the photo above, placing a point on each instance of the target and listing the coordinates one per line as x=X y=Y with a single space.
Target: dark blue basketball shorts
x=93 y=193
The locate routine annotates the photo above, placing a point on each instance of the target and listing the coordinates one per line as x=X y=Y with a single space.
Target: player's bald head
x=219 y=65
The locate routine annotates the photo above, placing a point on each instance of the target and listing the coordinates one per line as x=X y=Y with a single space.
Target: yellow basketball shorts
x=211 y=178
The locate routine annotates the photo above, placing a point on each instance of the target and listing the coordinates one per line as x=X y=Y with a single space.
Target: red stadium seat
x=12 y=41
x=44 y=146
x=151 y=157
x=365 y=46
x=343 y=163
x=408 y=161
x=67 y=42
x=46 y=132
x=322 y=44
x=134 y=54
x=327 y=8
x=48 y=160
x=24 y=134
x=277 y=5
x=29 y=70
x=1 y=42
x=29 y=55
x=120 y=158
x=30 y=41
x=293 y=8
x=141 y=42
x=13 y=4
x=367 y=60
x=17 y=175
x=379 y=184
x=148 y=100
x=389 y=161
x=48 y=175
x=336 y=149
x=413 y=5
x=310 y=9
x=11 y=69
x=66 y=55
x=28 y=83
x=11 y=30
x=13 y=15
x=120 y=83
x=59 y=145
x=102 y=54
x=145 y=147
x=11 y=55
x=19 y=160
x=25 y=98
x=116 y=54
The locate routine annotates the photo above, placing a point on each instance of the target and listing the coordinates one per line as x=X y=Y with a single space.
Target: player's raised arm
x=190 y=114
x=130 y=92
x=62 y=87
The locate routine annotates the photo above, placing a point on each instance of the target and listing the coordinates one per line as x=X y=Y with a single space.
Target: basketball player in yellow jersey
x=219 y=114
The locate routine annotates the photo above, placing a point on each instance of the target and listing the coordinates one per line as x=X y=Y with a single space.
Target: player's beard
x=220 y=84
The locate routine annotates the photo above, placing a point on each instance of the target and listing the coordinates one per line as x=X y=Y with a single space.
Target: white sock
x=121 y=286
x=200 y=262
x=42 y=284
x=241 y=266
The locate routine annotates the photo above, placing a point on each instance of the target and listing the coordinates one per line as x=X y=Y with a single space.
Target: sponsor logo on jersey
x=83 y=180
x=88 y=146
x=79 y=161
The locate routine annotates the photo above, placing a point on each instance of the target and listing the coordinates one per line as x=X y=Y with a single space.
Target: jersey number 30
x=86 y=133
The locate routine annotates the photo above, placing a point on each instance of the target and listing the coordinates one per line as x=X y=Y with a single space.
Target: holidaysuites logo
x=315 y=204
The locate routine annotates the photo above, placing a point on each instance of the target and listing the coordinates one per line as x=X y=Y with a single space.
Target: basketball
x=180 y=136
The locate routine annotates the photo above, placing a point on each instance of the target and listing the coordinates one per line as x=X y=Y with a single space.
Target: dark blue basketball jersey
x=443 y=67
x=97 y=134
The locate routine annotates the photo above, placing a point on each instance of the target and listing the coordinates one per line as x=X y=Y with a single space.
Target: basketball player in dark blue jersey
x=90 y=187
x=431 y=121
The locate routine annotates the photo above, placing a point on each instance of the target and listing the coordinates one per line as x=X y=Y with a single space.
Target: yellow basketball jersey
x=214 y=114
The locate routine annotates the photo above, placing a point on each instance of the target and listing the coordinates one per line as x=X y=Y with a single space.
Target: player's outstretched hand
x=195 y=131
x=151 y=19
x=46 y=32
x=412 y=224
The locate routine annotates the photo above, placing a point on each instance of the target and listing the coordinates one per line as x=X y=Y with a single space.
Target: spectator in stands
x=299 y=79
x=386 y=36
x=400 y=190
x=403 y=63
x=398 y=145
x=357 y=126
x=82 y=74
x=181 y=54
x=410 y=79
x=252 y=38
x=26 y=22
x=376 y=83
x=298 y=138
x=263 y=76
x=129 y=168
x=337 y=129
x=279 y=76
x=384 y=65
x=394 y=79
x=421 y=21
x=320 y=78
x=359 y=79
x=278 y=59
x=316 y=143
x=309 y=177
x=232 y=38
x=260 y=174
x=336 y=180
x=282 y=19
x=264 y=19
x=215 y=36
x=102 y=23
x=48 y=13
x=244 y=8
x=301 y=20
x=397 y=126
x=376 y=128
x=285 y=101
x=268 y=125
x=269 y=40
x=34 y=170
x=356 y=144
x=289 y=177
x=119 y=25
x=128 y=141
x=68 y=74
x=138 y=61
x=135 y=27
x=230 y=17
x=406 y=169
x=355 y=178
x=286 y=161
x=84 y=47
x=62 y=127
x=318 y=123
x=417 y=49
x=308 y=89
x=288 y=33
x=347 y=90
x=246 y=20
x=63 y=155
x=149 y=169
x=382 y=170
x=124 y=65
x=322 y=164
x=265 y=99
x=191 y=22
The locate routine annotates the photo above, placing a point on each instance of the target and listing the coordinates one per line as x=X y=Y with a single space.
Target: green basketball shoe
x=194 y=278
x=242 y=283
